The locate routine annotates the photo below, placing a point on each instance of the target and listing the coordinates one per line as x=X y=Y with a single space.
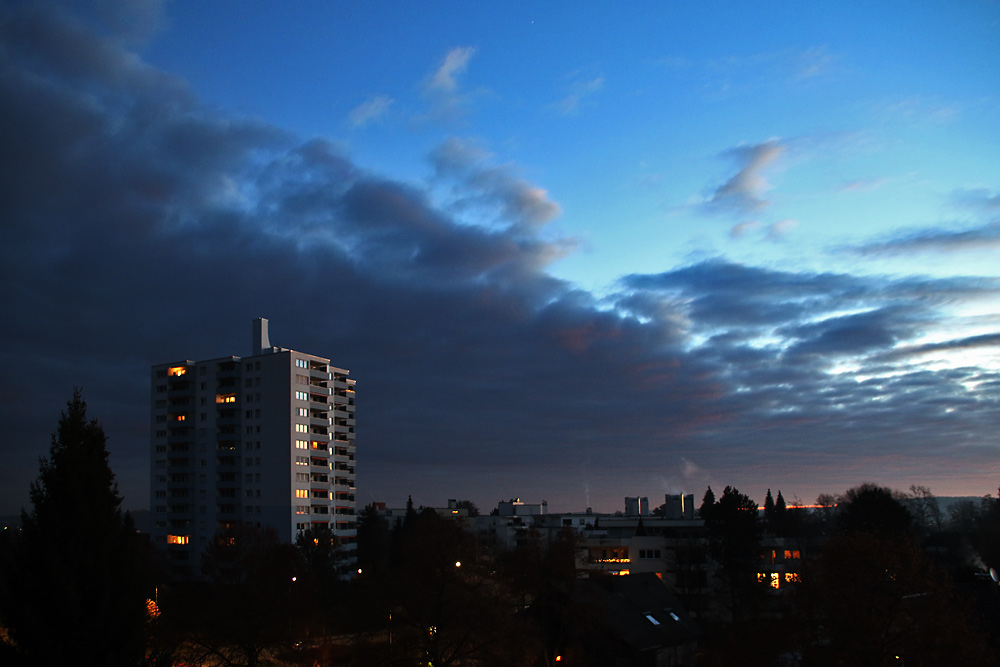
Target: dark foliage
x=75 y=579
x=870 y=508
x=734 y=533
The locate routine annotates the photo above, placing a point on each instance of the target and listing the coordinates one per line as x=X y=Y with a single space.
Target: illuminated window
x=793 y=554
x=301 y=396
x=301 y=460
x=772 y=579
x=792 y=577
x=181 y=418
x=225 y=398
x=302 y=444
x=178 y=539
x=301 y=493
x=649 y=617
x=177 y=371
x=301 y=428
x=303 y=412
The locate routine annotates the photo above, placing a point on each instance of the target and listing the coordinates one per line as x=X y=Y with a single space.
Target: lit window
x=177 y=371
x=302 y=444
x=301 y=428
x=301 y=493
x=649 y=617
x=178 y=539
x=792 y=577
x=303 y=412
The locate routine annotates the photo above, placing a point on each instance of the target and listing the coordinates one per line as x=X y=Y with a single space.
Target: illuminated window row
x=774 y=579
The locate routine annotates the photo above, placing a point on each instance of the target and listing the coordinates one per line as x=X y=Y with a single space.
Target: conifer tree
x=74 y=593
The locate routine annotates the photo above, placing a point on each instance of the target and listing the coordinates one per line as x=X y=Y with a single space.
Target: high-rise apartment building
x=265 y=440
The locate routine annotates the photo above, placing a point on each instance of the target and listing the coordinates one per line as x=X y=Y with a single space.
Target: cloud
x=863 y=185
x=579 y=91
x=495 y=188
x=984 y=237
x=372 y=109
x=744 y=228
x=781 y=229
x=981 y=200
x=444 y=80
x=142 y=225
x=743 y=192
x=441 y=87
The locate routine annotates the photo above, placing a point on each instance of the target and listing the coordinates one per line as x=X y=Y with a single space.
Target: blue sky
x=570 y=251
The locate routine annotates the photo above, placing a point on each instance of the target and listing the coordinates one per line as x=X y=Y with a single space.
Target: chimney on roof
x=260 y=339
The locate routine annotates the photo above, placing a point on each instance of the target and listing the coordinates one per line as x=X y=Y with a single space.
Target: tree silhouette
x=75 y=590
x=734 y=538
x=870 y=508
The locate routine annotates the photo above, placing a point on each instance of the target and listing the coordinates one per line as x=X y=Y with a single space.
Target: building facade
x=265 y=440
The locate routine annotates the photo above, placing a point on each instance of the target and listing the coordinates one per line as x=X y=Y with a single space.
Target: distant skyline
x=570 y=252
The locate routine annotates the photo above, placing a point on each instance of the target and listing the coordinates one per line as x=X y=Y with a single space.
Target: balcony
x=319 y=374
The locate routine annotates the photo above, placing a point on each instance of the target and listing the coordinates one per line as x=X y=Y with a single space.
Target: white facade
x=265 y=440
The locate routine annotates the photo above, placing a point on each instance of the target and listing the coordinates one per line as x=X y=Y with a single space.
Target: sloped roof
x=639 y=609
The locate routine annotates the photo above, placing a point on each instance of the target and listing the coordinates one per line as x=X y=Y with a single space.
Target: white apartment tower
x=266 y=440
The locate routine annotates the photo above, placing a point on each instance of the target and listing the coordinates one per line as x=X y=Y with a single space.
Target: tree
x=468 y=505
x=245 y=614
x=924 y=508
x=876 y=600
x=707 y=503
x=734 y=538
x=873 y=509
x=769 y=507
x=75 y=588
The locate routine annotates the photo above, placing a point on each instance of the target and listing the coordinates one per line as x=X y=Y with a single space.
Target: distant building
x=515 y=507
x=679 y=506
x=637 y=506
x=265 y=440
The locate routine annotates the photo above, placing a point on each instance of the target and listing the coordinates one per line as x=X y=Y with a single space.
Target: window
x=303 y=412
x=299 y=379
x=302 y=363
x=792 y=554
x=302 y=444
x=301 y=428
x=301 y=460
x=176 y=371
x=301 y=493
x=302 y=509
x=301 y=477
x=301 y=396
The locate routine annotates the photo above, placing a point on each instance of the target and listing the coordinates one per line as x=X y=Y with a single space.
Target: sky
x=570 y=252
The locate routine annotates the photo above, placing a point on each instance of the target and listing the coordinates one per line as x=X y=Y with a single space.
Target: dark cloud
x=983 y=237
x=141 y=226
